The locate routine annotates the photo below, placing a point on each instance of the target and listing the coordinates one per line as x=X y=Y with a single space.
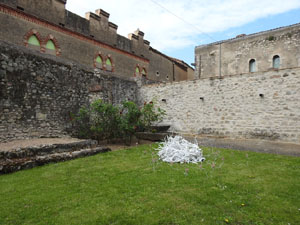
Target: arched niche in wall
x=109 y=64
x=51 y=46
x=98 y=62
x=33 y=40
x=144 y=72
x=137 y=71
x=252 y=65
x=276 y=62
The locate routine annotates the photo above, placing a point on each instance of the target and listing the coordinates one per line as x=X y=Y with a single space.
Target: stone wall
x=38 y=92
x=232 y=56
x=254 y=105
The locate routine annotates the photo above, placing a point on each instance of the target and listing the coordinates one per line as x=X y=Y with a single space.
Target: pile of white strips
x=178 y=150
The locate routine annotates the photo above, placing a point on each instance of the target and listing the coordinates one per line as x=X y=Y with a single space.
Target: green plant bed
x=133 y=187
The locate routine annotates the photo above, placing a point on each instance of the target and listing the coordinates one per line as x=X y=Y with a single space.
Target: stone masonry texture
x=39 y=93
x=232 y=57
x=254 y=105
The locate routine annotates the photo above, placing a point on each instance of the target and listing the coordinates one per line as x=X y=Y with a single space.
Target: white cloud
x=165 y=31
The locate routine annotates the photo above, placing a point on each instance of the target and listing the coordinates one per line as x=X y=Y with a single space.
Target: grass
x=133 y=187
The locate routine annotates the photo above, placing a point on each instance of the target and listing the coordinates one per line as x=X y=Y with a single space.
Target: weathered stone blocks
x=241 y=106
x=38 y=93
x=25 y=158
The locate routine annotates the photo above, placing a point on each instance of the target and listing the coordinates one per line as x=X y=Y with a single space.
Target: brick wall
x=81 y=40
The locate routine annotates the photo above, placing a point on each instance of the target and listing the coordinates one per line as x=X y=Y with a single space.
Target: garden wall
x=256 y=105
x=38 y=92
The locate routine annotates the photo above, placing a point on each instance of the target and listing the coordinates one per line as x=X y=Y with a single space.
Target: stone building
x=260 y=52
x=48 y=27
x=245 y=88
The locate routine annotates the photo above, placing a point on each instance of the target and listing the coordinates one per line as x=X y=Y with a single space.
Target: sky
x=176 y=27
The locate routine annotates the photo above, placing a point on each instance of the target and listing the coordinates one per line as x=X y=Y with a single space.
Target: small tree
x=150 y=114
x=105 y=120
x=130 y=119
x=82 y=123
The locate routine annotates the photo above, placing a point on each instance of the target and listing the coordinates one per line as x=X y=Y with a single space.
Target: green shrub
x=103 y=121
x=82 y=123
x=150 y=114
x=130 y=119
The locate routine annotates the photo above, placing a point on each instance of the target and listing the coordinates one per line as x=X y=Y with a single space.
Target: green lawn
x=133 y=187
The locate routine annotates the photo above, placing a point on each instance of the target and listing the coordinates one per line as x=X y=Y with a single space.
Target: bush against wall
x=150 y=114
x=130 y=120
x=104 y=121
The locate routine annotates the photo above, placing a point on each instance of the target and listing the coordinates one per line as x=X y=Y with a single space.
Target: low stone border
x=19 y=159
x=46 y=149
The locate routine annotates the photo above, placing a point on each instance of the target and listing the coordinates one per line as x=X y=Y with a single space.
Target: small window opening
x=108 y=65
x=137 y=70
x=144 y=74
x=276 y=62
x=50 y=45
x=99 y=59
x=252 y=65
x=33 y=40
x=157 y=74
x=99 y=62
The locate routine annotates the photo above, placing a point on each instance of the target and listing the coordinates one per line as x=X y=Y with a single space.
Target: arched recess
x=137 y=71
x=109 y=66
x=144 y=72
x=51 y=46
x=276 y=62
x=98 y=61
x=252 y=65
x=32 y=39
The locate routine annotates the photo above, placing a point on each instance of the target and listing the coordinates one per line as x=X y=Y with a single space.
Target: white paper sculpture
x=178 y=150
